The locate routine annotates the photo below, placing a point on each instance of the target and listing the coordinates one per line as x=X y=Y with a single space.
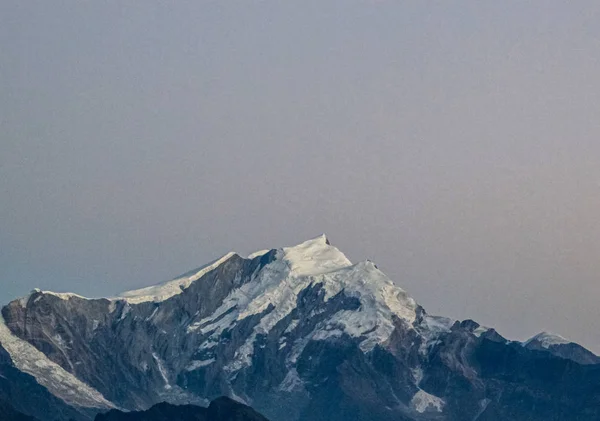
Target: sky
x=454 y=143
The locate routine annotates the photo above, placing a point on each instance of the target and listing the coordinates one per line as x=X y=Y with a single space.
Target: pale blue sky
x=456 y=144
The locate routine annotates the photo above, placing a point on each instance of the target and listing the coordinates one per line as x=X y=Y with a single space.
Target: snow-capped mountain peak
x=313 y=264
x=301 y=325
x=313 y=257
x=547 y=339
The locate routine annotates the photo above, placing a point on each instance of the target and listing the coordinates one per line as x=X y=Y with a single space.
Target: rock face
x=299 y=333
x=221 y=409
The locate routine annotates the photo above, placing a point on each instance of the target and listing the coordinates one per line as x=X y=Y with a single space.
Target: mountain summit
x=300 y=333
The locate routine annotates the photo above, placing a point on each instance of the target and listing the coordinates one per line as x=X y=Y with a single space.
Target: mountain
x=299 y=333
x=221 y=409
x=561 y=347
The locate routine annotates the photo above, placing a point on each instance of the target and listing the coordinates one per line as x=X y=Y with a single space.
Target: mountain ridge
x=300 y=325
x=165 y=290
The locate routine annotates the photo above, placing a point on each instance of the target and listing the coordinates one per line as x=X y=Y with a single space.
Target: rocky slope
x=300 y=333
x=21 y=394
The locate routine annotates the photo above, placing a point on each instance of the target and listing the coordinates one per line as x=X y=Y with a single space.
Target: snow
x=291 y=326
x=62 y=295
x=327 y=333
x=314 y=257
x=480 y=331
x=431 y=328
x=291 y=382
x=423 y=401
x=194 y=365
x=24 y=300
x=314 y=262
x=164 y=291
x=380 y=299
x=152 y=315
x=125 y=311
x=60 y=342
x=437 y=324
x=57 y=380
x=161 y=370
x=238 y=398
x=547 y=339
x=65 y=295
x=258 y=253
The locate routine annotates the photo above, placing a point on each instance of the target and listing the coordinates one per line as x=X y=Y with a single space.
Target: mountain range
x=299 y=333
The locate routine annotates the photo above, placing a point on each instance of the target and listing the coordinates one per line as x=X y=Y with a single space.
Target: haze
x=456 y=144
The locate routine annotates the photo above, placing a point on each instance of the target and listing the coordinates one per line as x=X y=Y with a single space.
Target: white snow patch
x=314 y=257
x=60 y=342
x=194 y=365
x=258 y=253
x=62 y=295
x=423 y=401
x=65 y=295
x=438 y=324
x=162 y=292
x=238 y=398
x=293 y=324
x=431 y=328
x=291 y=382
x=480 y=331
x=547 y=339
x=112 y=306
x=162 y=370
x=152 y=315
x=52 y=376
x=324 y=334
x=125 y=311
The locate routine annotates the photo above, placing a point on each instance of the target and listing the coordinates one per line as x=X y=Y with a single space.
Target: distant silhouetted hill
x=221 y=409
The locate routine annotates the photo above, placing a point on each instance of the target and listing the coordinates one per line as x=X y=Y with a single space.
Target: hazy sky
x=456 y=144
